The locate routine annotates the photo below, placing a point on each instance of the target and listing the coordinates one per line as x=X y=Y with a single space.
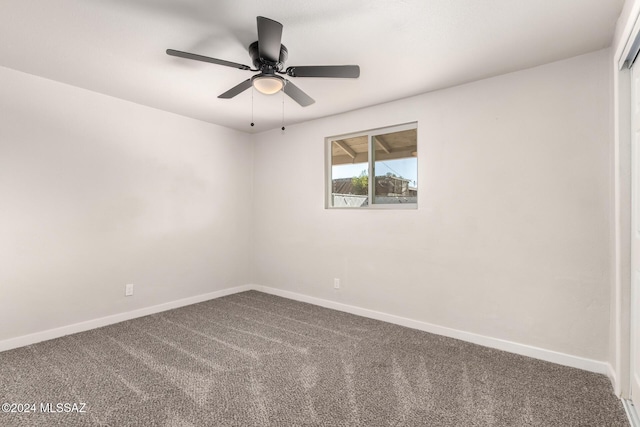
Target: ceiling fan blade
x=236 y=90
x=188 y=55
x=297 y=94
x=269 y=39
x=338 y=71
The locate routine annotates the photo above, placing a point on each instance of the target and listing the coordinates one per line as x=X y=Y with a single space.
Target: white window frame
x=370 y=167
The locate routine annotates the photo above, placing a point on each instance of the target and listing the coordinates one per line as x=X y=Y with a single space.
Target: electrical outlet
x=128 y=290
x=336 y=283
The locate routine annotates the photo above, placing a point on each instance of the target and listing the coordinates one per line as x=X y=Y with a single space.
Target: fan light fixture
x=268 y=85
x=268 y=56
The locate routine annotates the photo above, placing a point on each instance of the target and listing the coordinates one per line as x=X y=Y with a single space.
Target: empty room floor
x=254 y=359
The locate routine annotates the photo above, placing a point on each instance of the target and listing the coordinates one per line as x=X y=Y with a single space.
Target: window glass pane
x=395 y=167
x=350 y=172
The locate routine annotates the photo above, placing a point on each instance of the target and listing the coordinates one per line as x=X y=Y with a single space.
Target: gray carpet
x=253 y=359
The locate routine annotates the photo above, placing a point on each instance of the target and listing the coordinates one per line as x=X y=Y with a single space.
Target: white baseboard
x=512 y=347
x=613 y=377
x=49 y=334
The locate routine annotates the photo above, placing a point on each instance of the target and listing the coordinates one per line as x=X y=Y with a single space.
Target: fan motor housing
x=261 y=63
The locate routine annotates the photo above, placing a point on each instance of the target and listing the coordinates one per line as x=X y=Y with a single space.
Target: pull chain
x=283 y=109
x=252 y=91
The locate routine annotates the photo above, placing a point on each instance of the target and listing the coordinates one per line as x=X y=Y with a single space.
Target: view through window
x=377 y=168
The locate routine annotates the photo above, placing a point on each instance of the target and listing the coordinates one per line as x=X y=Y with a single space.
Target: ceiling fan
x=269 y=55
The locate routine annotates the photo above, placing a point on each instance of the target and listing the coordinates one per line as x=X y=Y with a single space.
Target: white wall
x=511 y=238
x=96 y=192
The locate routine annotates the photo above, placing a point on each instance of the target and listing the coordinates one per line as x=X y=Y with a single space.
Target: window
x=373 y=169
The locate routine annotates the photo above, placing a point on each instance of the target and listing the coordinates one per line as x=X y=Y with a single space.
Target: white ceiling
x=403 y=47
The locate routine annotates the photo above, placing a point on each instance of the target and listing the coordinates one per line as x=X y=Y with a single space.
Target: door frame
x=625 y=50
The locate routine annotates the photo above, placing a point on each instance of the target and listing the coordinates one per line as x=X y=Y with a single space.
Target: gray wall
x=510 y=241
x=511 y=238
x=96 y=192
